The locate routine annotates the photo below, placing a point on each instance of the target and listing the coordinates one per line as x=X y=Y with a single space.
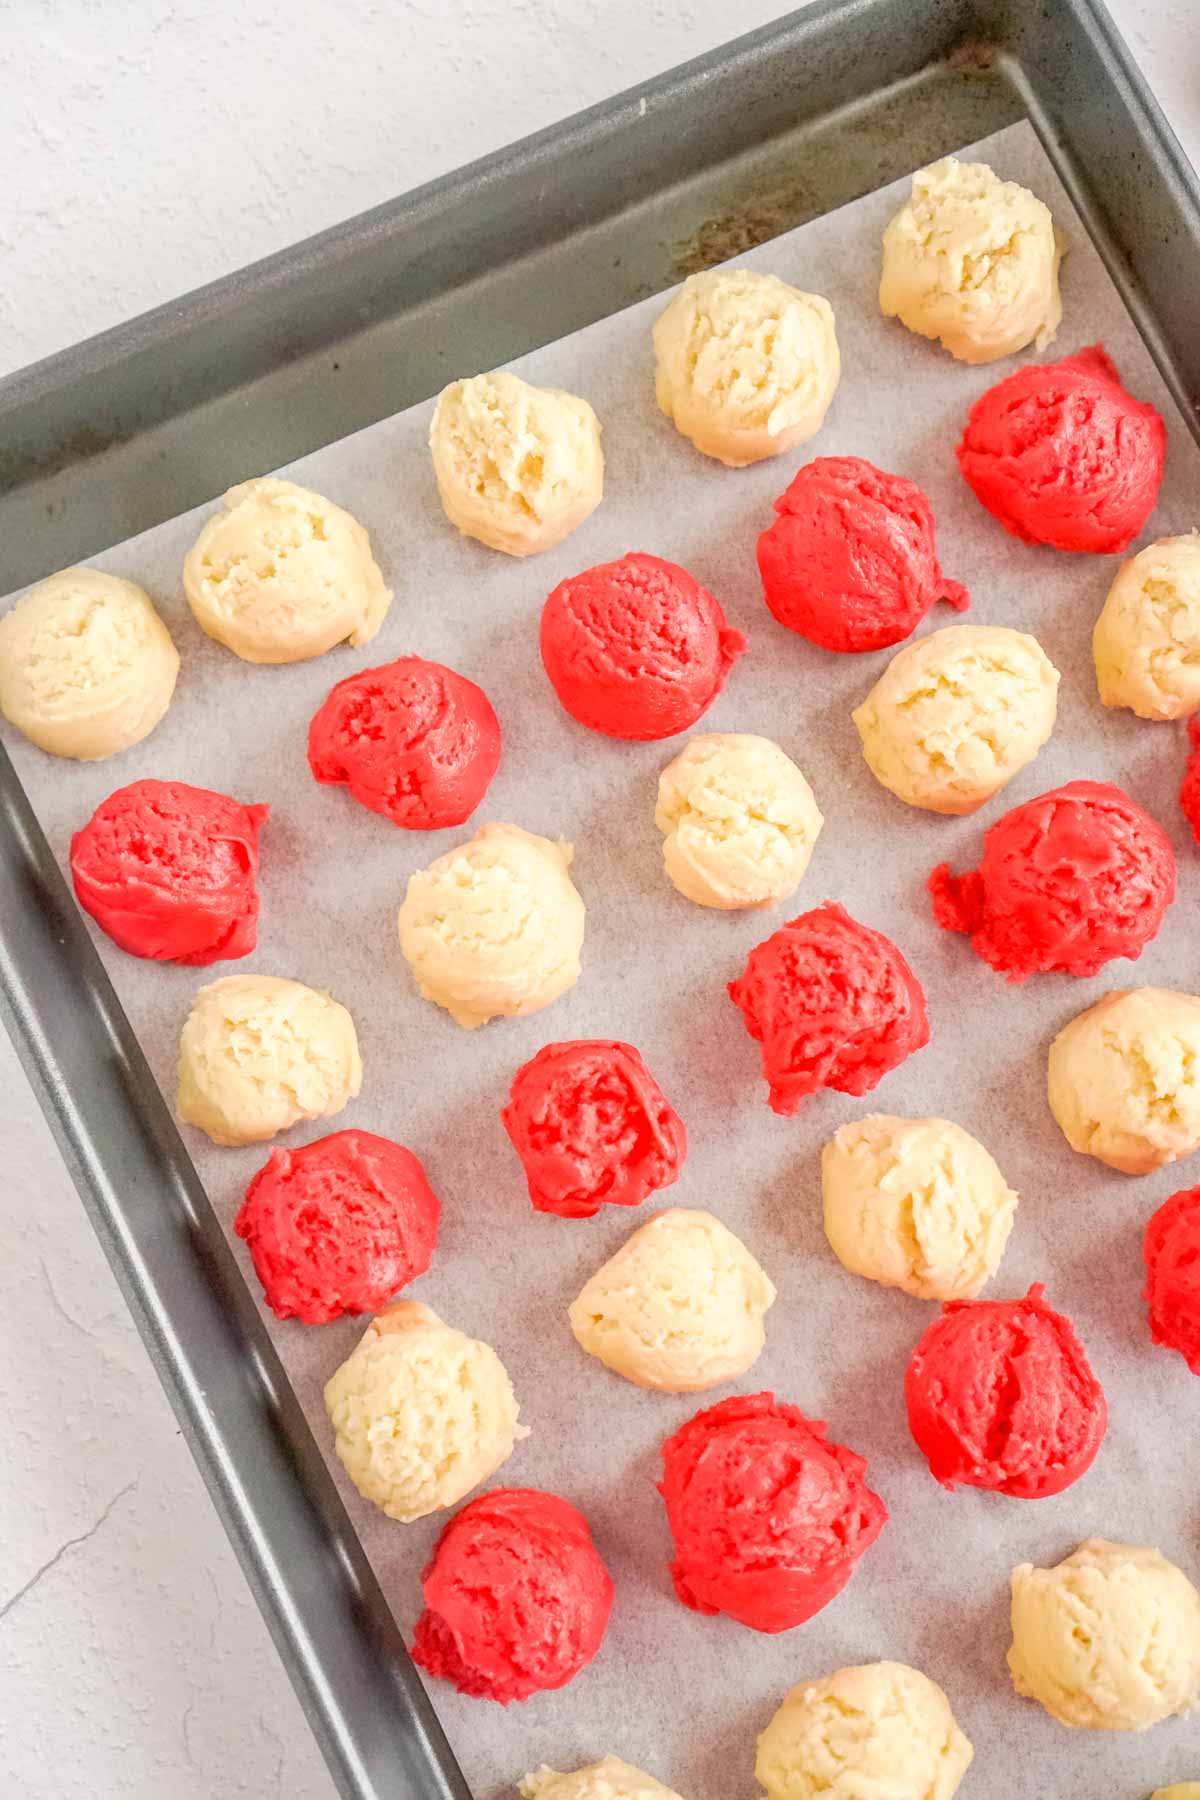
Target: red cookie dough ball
x=833 y=1004
x=850 y=562
x=412 y=740
x=168 y=871
x=1062 y=455
x=1189 y=792
x=1172 y=1251
x=339 y=1226
x=516 y=1598
x=1001 y=1396
x=636 y=648
x=1067 y=882
x=768 y=1518
x=592 y=1127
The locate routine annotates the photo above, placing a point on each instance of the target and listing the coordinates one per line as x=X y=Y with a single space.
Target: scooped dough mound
x=609 y=1779
x=881 y=1729
x=745 y=365
x=413 y=740
x=281 y=574
x=1062 y=454
x=494 y=929
x=1067 y=882
x=87 y=667
x=259 y=1053
x=1123 y=1079
x=833 y=1004
x=1108 y=1639
x=170 y=872
x=592 y=1128
x=768 y=1518
x=1146 y=644
x=916 y=1204
x=517 y=1599
x=421 y=1413
x=518 y=467
x=1000 y=1395
x=1171 y=1250
x=957 y=714
x=679 y=1307
x=850 y=561
x=739 y=821
x=972 y=261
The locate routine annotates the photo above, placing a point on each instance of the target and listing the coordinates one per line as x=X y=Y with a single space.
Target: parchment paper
x=683 y=1695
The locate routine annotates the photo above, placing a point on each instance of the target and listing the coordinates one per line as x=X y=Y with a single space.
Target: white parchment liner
x=678 y=1693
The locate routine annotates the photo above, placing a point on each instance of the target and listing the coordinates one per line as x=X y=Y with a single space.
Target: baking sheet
x=682 y=1695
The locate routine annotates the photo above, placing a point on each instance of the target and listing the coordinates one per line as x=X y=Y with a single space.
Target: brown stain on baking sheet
x=744 y=227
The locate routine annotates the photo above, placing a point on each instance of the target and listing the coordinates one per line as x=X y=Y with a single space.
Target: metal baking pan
x=159 y=415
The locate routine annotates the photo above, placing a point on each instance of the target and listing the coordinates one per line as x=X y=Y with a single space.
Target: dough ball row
x=746 y=367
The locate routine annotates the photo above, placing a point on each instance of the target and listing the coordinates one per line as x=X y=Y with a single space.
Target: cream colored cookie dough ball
x=745 y=365
x=957 y=714
x=1123 y=1079
x=1178 y=1790
x=259 y=1053
x=494 y=929
x=281 y=574
x=87 y=667
x=738 y=820
x=421 y=1413
x=1146 y=643
x=517 y=467
x=1107 y=1640
x=679 y=1307
x=608 y=1779
x=878 y=1729
x=916 y=1204
x=972 y=261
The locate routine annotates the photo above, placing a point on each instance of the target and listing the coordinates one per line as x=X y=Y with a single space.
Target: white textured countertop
x=147 y=149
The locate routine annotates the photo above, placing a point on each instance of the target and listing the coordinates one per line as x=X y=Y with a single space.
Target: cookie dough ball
x=592 y=1128
x=494 y=929
x=1062 y=455
x=421 y=1413
x=169 y=872
x=1109 y=1639
x=881 y=1728
x=972 y=261
x=768 y=1518
x=282 y=574
x=916 y=1204
x=850 y=561
x=87 y=667
x=1067 y=882
x=956 y=715
x=636 y=649
x=1189 y=787
x=517 y=467
x=1124 y=1079
x=738 y=820
x=413 y=740
x=833 y=1004
x=1001 y=1395
x=609 y=1779
x=745 y=365
x=516 y=1598
x=338 y=1226
x=1178 y=1790
x=679 y=1307
x=1146 y=644
x=1171 y=1249
x=259 y=1053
